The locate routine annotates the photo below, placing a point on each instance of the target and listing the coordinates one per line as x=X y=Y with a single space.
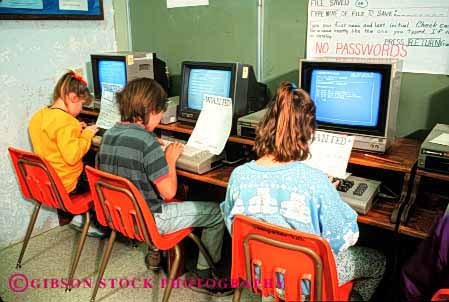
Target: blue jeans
x=176 y=216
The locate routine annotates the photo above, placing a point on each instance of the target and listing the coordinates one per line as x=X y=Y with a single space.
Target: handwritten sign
x=330 y=153
x=415 y=31
x=213 y=126
x=109 y=111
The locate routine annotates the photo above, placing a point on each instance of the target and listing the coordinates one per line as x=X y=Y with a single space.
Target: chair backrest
x=120 y=206
x=441 y=295
x=38 y=180
x=273 y=260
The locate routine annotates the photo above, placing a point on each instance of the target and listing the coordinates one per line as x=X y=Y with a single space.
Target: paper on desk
x=109 y=111
x=213 y=126
x=442 y=139
x=330 y=153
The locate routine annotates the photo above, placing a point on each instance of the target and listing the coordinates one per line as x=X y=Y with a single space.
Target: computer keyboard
x=358 y=192
x=187 y=150
x=193 y=159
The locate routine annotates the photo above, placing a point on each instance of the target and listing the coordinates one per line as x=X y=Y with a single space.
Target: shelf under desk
x=404 y=152
x=425 y=208
x=378 y=216
x=187 y=129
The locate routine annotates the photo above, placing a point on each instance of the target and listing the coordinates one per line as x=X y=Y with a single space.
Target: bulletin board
x=51 y=9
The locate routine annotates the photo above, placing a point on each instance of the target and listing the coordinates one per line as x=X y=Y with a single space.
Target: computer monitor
x=233 y=80
x=121 y=67
x=354 y=96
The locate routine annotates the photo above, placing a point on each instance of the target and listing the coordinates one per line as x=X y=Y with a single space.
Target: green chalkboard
x=226 y=30
x=284 y=40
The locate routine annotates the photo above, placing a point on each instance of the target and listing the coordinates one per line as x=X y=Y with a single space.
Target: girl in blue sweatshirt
x=279 y=188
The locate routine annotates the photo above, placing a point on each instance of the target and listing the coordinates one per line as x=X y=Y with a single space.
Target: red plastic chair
x=120 y=206
x=273 y=260
x=40 y=183
x=441 y=295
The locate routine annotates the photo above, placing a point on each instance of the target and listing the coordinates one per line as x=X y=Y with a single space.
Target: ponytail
x=71 y=82
x=288 y=125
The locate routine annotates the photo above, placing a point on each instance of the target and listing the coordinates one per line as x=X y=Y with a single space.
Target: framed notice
x=51 y=9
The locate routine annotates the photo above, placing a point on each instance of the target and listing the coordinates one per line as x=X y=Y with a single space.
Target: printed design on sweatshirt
x=296 y=208
x=263 y=203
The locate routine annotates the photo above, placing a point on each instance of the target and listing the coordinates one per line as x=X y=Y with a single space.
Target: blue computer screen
x=111 y=72
x=345 y=97
x=207 y=81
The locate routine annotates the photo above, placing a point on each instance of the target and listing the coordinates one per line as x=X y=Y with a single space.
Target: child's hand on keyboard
x=172 y=152
x=335 y=181
x=93 y=128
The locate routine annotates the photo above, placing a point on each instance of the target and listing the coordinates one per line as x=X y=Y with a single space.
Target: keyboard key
x=361 y=188
x=344 y=185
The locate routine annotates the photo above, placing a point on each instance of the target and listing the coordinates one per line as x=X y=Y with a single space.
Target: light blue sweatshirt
x=292 y=195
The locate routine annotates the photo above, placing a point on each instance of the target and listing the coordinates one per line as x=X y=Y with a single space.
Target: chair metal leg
x=237 y=293
x=204 y=251
x=28 y=233
x=104 y=262
x=79 y=250
x=173 y=273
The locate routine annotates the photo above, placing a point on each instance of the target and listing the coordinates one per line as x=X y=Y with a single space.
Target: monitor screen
x=204 y=81
x=346 y=97
x=111 y=72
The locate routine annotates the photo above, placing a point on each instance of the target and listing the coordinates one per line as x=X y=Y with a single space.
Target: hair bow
x=78 y=77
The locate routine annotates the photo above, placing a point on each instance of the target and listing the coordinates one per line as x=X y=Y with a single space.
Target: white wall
x=33 y=55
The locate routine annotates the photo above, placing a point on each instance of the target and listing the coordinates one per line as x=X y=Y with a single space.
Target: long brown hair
x=288 y=126
x=140 y=97
x=71 y=82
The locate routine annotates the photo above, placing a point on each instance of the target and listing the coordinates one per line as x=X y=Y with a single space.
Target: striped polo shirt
x=130 y=151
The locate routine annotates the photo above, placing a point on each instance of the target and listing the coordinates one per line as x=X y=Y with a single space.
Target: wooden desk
x=419 y=215
x=404 y=152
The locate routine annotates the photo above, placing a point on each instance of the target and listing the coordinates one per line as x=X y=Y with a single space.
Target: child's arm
x=338 y=221
x=226 y=207
x=167 y=186
x=72 y=145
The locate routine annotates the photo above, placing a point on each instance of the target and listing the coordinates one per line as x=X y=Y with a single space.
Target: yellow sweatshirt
x=57 y=136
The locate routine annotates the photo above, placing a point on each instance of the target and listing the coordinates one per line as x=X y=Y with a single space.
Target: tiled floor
x=47 y=261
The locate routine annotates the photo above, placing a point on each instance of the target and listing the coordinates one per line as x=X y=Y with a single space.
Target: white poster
x=183 y=3
x=416 y=32
x=330 y=153
x=213 y=126
x=73 y=5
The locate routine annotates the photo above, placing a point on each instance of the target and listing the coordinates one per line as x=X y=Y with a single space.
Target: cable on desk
x=389 y=195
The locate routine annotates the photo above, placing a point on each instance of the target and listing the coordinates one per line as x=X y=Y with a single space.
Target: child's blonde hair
x=71 y=82
x=288 y=126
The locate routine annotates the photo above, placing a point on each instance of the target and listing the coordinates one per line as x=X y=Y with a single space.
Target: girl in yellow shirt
x=59 y=137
